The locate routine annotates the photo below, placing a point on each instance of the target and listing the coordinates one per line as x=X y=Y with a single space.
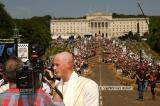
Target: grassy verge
x=136 y=47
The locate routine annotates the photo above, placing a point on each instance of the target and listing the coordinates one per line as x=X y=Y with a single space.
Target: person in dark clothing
x=152 y=79
x=140 y=74
x=146 y=80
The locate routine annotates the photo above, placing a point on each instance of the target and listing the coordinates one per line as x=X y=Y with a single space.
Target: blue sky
x=75 y=8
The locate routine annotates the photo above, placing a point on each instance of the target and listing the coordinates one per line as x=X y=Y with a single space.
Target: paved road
x=117 y=98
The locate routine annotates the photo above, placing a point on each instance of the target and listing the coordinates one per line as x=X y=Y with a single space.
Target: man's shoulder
x=40 y=98
x=87 y=79
x=89 y=87
x=89 y=82
x=8 y=95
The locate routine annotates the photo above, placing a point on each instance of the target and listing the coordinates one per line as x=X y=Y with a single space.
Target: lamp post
x=17 y=40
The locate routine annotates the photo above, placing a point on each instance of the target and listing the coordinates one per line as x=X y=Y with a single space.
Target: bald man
x=76 y=90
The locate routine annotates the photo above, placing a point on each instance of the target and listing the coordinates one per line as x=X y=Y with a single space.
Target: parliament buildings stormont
x=97 y=23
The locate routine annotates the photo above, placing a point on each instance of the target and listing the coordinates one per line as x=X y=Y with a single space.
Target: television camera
x=30 y=76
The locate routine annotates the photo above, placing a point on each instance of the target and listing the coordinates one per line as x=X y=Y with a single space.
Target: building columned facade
x=97 y=23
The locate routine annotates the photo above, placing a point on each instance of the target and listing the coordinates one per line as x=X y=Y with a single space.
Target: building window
x=99 y=24
x=91 y=24
x=95 y=24
x=106 y=24
x=102 y=24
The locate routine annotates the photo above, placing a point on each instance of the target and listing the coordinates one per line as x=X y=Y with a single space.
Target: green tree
x=130 y=35
x=136 y=37
x=154 y=35
x=6 y=23
x=35 y=31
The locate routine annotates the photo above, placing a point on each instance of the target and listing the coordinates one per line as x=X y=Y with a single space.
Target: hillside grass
x=137 y=46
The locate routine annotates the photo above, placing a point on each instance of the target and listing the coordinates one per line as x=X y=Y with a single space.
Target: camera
x=46 y=74
x=31 y=74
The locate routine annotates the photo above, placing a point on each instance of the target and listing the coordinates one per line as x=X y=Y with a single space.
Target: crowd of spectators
x=126 y=61
x=83 y=49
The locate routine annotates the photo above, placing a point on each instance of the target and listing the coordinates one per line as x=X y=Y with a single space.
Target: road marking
x=100 y=98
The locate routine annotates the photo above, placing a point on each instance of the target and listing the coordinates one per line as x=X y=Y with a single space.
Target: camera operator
x=13 y=96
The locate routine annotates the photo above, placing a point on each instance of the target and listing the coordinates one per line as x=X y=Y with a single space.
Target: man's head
x=12 y=65
x=63 y=65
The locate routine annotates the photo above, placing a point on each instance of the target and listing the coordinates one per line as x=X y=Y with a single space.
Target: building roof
x=99 y=14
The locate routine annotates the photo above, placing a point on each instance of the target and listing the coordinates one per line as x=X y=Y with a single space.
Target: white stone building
x=96 y=23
